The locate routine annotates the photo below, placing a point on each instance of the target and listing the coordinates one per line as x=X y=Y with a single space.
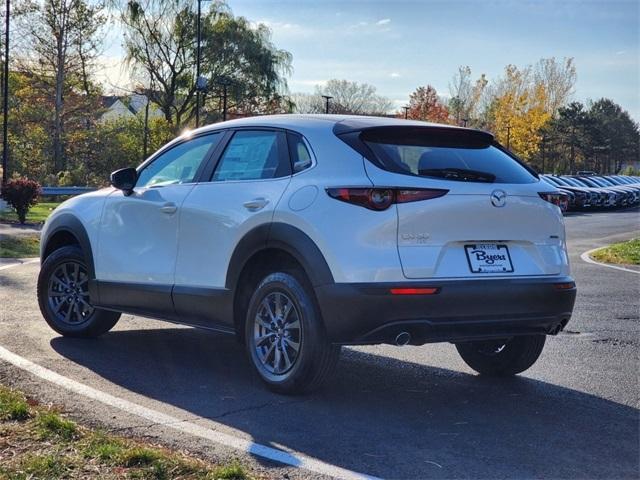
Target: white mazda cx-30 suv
x=302 y=233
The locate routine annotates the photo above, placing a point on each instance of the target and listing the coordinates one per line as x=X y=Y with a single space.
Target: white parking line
x=587 y=258
x=294 y=460
x=18 y=263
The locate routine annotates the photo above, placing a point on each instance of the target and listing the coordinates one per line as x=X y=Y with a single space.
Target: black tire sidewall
x=519 y=354
x=98 y=323
x=313 y=337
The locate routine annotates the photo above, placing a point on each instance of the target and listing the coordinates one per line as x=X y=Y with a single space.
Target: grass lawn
x=37 y=214
x=39 y=442
x=626 y=253
x=22 y=246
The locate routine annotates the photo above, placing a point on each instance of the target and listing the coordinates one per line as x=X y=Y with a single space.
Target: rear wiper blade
x=458 y=174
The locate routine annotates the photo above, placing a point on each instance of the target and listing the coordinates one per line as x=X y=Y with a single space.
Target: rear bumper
x=461 y=310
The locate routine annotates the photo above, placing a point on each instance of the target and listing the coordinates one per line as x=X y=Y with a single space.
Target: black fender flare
x=69 y=223
x=283 y=237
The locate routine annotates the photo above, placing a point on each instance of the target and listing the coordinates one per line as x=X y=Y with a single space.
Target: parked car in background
x=585 y=198
x=614 y=182
x=615 y=197
x=603 y=197
x=592 y=191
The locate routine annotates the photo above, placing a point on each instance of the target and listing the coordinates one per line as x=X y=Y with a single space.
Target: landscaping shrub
x=21 y=194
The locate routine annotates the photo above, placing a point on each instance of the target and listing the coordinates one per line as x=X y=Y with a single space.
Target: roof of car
x=342 y=122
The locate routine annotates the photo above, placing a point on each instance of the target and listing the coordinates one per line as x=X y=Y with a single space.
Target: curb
x=18 y=262
x=586 y=258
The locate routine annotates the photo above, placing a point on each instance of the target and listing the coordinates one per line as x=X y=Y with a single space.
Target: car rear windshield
x=451 y=154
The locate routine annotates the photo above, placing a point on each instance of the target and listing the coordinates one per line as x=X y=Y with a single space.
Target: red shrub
x=21 y=194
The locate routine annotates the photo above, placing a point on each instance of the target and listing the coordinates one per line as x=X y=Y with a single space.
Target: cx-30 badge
x=498 y=198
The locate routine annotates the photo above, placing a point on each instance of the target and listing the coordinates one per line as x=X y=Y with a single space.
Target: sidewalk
x=6 y=263
x=15 y=229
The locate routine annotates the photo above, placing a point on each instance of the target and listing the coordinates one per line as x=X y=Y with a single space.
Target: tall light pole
x=326 y=98
x=225 y=82
x=5 y=94
x=145 y=140
x=544 y=150
x=201 y=83
x=224 y=102
x=198 y=65
x=596 y=165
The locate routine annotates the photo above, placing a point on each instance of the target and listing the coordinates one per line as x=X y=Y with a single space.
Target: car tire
x=502 y=358
x=63 y=296
x=282 y=314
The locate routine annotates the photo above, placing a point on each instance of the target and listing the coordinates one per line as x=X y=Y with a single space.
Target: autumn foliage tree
x=61 y=40
x=519 y=112
x=425 y=105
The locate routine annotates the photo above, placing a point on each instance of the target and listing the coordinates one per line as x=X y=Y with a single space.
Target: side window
x=178 y=165
x=251 y=155
x=300 y=156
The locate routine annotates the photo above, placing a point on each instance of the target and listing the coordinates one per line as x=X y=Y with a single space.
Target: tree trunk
x=58 y=147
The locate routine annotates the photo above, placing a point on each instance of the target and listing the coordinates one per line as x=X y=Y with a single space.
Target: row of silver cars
x=589 y=191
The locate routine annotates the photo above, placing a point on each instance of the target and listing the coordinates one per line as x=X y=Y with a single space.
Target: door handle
x=256 y=204
x=169 y=208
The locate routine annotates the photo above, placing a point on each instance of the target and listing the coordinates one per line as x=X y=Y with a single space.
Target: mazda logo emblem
x=498 y=198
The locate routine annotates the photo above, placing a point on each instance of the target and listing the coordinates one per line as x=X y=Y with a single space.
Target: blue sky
x=400 y=45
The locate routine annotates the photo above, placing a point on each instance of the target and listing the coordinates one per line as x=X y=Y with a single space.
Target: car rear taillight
x=382 y=198
x=560 y=200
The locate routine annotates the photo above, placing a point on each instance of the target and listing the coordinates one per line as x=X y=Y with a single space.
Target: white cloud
x=373 y=27
x=306 y=83
x=285 y=29
x=395 y=75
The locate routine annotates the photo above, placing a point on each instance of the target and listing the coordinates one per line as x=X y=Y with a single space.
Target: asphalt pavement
x=410 y=412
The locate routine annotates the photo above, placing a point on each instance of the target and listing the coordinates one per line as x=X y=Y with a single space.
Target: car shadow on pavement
x=380 y=416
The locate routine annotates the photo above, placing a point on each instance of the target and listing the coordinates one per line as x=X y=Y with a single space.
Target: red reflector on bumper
x=565 y=286
x=414 y=291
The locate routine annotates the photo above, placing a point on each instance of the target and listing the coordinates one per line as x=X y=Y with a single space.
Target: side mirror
x=124 y=179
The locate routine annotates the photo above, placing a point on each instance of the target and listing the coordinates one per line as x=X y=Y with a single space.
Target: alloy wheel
x=68 y=293
x=277 y=333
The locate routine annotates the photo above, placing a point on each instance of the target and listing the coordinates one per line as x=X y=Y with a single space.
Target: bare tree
x=354 y=98
x=558 y=79
x=461 y=91
x=307 y=103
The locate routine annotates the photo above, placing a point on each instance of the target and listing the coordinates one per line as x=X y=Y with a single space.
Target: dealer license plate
x=488 y=258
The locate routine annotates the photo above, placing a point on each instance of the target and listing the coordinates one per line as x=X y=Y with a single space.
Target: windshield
x=599 y=182
x=554 y=181
x=607 y=182
x=584 y=181
x=564 y=181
